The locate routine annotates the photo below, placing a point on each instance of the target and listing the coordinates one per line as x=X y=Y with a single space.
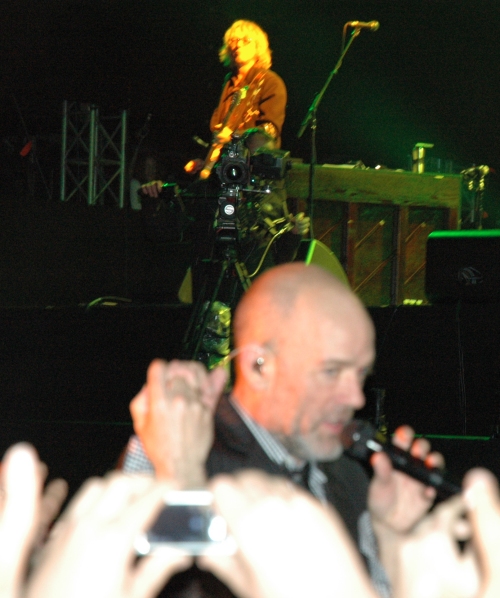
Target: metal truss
x=93 y=164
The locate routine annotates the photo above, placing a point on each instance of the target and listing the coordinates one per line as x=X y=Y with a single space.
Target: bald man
x=304 y=345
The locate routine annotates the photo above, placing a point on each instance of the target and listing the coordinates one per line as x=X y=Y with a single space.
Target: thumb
x=382 y=467
x=139 y=408
x=481 y=497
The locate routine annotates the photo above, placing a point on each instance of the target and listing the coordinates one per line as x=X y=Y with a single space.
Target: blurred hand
x=289 y=545
x=52 y=500
x=223 y=136
x=173 y=417
x=430 y=561
x=152 y=189
x=302 y=224
x=21 y=483
x=483 y=504
x=90 y=551
x=396 y=500
x=194 y=166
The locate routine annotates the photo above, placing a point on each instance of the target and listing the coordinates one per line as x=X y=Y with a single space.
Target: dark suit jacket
x=236 y=448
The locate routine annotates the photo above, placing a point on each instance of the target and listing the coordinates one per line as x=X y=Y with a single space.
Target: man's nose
x=351 y=391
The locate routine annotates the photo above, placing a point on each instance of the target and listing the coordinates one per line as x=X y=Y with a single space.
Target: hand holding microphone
x=361 y=440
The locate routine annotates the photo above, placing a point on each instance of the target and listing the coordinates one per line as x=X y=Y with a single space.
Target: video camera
x=239 y=173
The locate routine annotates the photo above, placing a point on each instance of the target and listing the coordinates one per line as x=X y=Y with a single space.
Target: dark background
x=429 y=74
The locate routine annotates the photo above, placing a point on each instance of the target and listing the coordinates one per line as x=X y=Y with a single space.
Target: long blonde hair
x=253 y=31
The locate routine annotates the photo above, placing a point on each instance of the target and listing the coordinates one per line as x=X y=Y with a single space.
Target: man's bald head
x=305 y=344
x=266 y=311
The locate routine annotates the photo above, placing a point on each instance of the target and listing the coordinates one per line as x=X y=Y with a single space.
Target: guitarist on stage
x=260 y=115
x=252 y=104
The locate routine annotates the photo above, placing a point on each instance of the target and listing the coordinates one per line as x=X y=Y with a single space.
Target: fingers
x=152 y=188
x=139 y=408
x=419 y=448
x=84 y=499
x=22 y=479
x=173 y=417
x=177 y=377
x=482 y=500
x=53 y=498
x=234 y=494
x=382 y=467
x=241 y=499
x=188 y=380
x=300 y=535
x=194 y=166
x=43 y=470
x=448 y=517
x=97 y=534
x=21 y=482
x=396 y=500
x=302 y=224
x=129 y=503
x=403 y=437
x=431 y=561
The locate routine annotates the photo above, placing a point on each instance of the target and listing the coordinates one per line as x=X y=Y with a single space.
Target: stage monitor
x=463 y=265
x=312 y=251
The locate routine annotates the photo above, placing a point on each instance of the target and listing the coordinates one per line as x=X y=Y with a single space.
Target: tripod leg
x=204 y=315
x=195 y=315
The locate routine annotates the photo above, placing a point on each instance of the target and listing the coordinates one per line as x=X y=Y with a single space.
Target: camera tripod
x=231 y=282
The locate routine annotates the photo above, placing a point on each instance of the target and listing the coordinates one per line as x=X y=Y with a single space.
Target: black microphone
x=360 y=440
x=372 y=25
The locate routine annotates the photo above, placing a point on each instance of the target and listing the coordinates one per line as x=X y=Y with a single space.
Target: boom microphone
x=371 y=25
x=361 y=440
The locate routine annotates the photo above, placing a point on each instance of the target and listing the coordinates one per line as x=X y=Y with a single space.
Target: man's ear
x=258 y=367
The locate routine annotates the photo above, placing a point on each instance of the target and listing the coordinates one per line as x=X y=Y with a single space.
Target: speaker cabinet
x=463 y=265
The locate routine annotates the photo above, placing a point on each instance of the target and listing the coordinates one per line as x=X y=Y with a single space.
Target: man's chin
x=314 y=449
x=330 y=454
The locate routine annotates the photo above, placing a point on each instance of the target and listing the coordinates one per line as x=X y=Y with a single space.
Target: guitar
x=241 y=110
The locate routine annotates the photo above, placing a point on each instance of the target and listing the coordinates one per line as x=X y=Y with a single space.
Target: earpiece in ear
x=259 y=363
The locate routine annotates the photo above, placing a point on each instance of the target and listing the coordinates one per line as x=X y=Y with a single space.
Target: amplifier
x=463 y=265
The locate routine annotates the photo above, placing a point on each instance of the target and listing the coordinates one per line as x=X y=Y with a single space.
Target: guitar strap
x=249 y=100
x=242 y=107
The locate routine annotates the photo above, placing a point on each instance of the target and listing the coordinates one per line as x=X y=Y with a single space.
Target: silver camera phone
x=187 y=522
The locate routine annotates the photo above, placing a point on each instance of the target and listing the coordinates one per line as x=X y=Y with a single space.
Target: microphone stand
x=311 y=117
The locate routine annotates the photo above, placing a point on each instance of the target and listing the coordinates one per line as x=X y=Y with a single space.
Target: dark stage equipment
x=377 y=223
x=312 y=251
x=463 y=265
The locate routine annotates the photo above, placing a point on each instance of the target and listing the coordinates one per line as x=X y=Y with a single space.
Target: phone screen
x=188 y=523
